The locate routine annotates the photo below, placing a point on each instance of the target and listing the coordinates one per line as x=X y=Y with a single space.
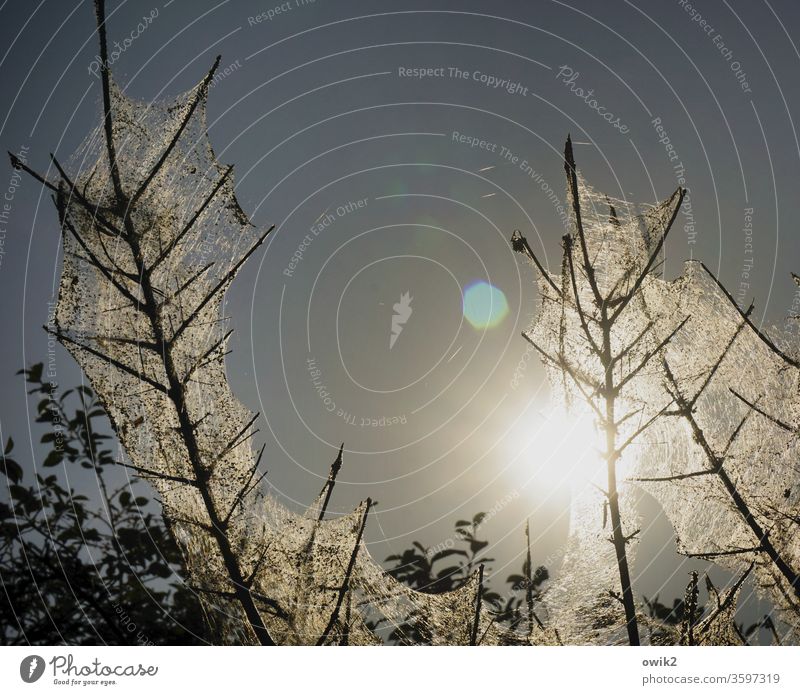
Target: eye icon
x=31 y=668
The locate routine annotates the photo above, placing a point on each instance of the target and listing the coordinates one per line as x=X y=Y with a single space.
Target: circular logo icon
x=31 y=668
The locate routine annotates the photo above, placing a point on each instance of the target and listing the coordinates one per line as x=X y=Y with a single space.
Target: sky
x=396 y=146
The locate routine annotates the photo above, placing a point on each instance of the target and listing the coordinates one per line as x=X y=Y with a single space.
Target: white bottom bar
x=410 y=671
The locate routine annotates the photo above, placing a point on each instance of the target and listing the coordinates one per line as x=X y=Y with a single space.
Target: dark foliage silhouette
x=76 y=570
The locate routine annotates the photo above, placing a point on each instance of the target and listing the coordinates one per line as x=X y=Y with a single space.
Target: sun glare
x=485 y=305
x=560 y=450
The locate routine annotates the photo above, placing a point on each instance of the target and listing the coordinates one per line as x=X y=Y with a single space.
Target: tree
x=75 y=571
x=136 y=300
x=701 y=402
x=153 y=237
x=733 y=453
x=594 y=341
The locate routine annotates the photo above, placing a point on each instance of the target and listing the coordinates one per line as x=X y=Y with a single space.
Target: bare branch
x=248 y=582
x=573 y=374
x=108 y=124
x=736 y=432
x=529 y=582
x=579 y=309
x=124 y=291
x=329 y=484
x=194 y=277
x=646 y=359
x=784 y=426
x=236 y=441
x=719 y=361
x=672 y=478
x=202 y=359
x=520 y=244
x=188 y=226
x=222 y=283
x=64 y=338
x=158 y=475
x=653 y=256
x=201 y=93
x=17 y=164
x=641 y=429
x=346 y=582
x=762 y=336
x=246 y=489
x=725 y=553
x=625 y=351
x=91 y=208
x=572 y=182
x=473 y=638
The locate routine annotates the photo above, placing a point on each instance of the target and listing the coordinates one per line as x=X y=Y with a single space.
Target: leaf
x=447 y=553
x=159 y=569
x=451 y=571
x=476 y=546
x=33 y=374
x=11 y=469
x=53 y=458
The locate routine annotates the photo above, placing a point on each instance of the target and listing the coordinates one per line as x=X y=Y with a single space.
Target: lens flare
x=485 y=306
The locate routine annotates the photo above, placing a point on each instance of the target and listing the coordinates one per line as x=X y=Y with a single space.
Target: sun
x=568 y=447
x=559 y=449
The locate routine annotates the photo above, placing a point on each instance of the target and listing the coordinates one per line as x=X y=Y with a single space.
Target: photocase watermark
x=791 y=324
x=521 y=368
x=749 y=259
x=679 y=170
x=222 y=73
x=716 y=38
x=402 y=312
x=51 y=375
x=67 y=672
x=277 y=11
x=495 y=509
x=323 y=222
x=51 y=372
x=129 y=626
x=329 y=403
x=119 y=48
x=569 y=76
x=31 y=668
x=8 y=199
x=507 y=155
x=484 y=79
